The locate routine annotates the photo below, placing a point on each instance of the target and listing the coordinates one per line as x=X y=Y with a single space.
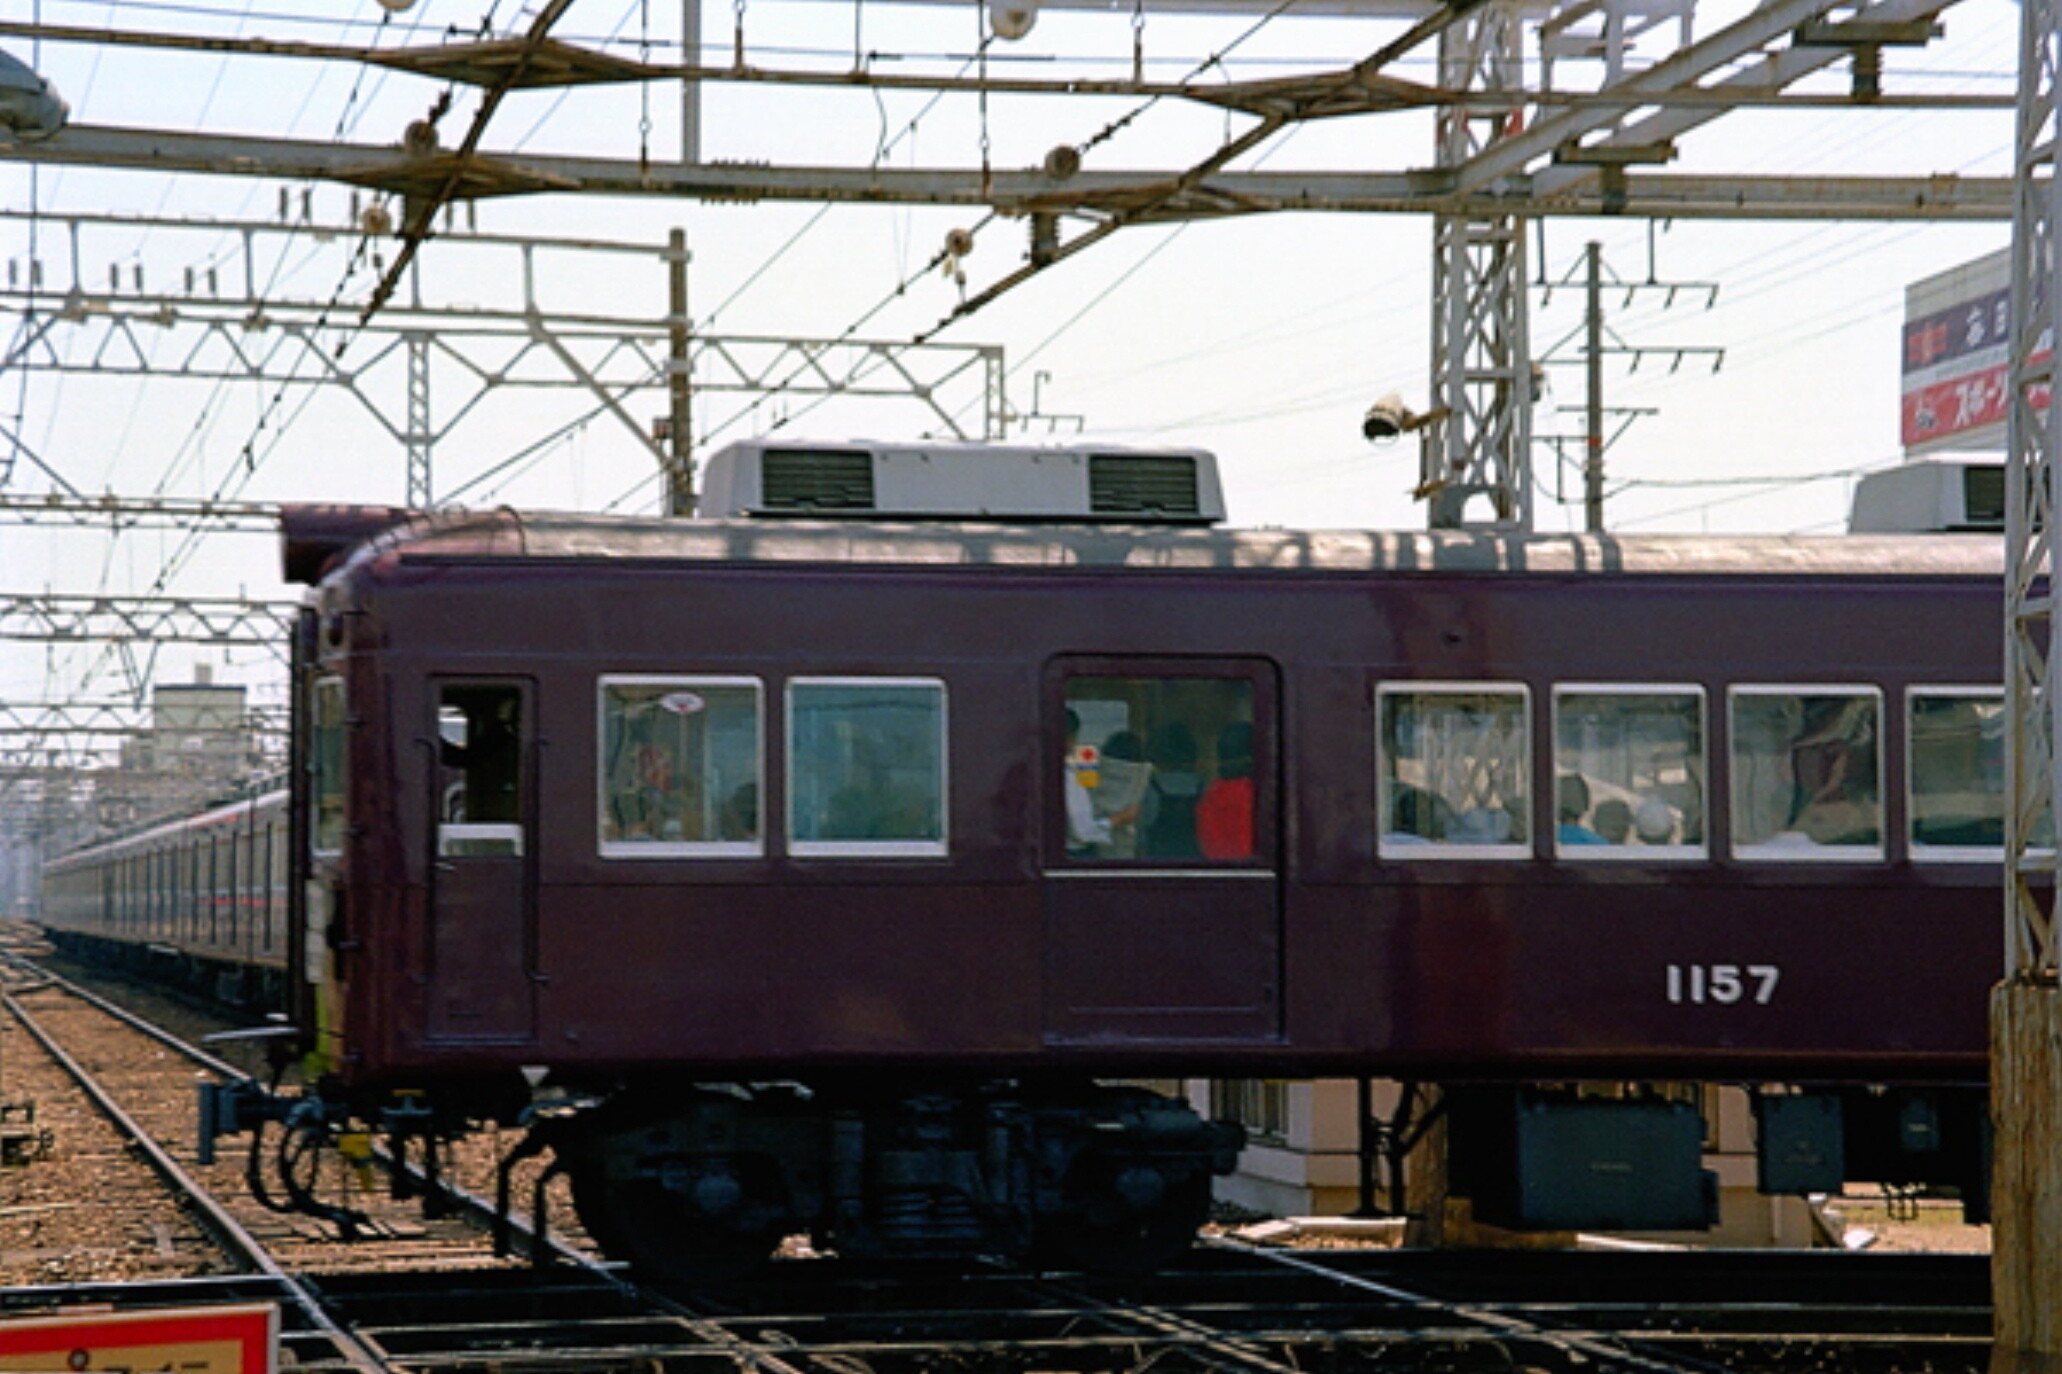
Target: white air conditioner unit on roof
x=1070 y=484
x=1931 y=496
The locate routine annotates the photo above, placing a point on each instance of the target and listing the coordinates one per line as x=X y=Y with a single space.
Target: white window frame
x=1992 y=854
x=1785 y=852
x=1633 y=853
x=1438 y=851
x=676 y=849
x=479 y=840
x=323 y=684
x=868 y=849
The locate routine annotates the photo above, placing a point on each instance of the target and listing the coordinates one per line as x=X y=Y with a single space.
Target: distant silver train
x=199 y=902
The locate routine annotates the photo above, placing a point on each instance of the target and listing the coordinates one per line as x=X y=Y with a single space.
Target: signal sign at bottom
x=196 y=1340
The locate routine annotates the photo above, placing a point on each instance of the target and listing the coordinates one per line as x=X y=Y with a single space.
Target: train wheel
x=713 y=1230
x=1129 y=1221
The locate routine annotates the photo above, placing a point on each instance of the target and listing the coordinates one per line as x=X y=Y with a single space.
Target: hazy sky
x=1262 y=338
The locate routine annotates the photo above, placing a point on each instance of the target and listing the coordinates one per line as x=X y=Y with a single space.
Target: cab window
x=681 y=765
x=866 y=767
x=1806 y=771
x=1628 y=772
x=1453 y=765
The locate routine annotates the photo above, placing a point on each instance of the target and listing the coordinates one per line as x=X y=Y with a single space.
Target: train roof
x=156 y=829
x=318 y=540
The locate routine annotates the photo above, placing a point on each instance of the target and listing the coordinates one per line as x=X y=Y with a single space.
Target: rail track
x=433 y=1296
x=1224 y=1313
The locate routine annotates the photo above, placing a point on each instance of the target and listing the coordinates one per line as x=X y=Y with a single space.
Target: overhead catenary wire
x=786 y=385
x=190 y=447
x=883 y=148
x=238 y=475
x=986 y=40
x=1819 y=324
x=257 y=447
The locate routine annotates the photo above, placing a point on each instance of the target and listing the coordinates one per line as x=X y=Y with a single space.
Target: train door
x=483 y=853
x=1163 y=884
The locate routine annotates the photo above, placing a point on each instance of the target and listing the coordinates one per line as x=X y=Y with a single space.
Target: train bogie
x=703 y=1185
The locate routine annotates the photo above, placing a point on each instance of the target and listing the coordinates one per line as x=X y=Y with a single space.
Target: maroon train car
x=825 y=876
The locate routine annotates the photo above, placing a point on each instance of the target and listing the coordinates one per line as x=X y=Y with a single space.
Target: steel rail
x=221 y=1068
x=1241 y=1351
x=229 y=1232
x=832 y=1338
x=854 y=1357
x=714 y=1335
x=479 y=1208
x=1578 y=1346
x=1206 y=1345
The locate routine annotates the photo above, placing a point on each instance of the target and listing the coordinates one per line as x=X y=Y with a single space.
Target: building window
x=1261 y=1105
x=1807 y=764
x=681 y=766
x=1628 y=772
x=866 y=767
x=1454 y=770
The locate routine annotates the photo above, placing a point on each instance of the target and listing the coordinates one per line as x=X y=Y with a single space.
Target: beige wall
x=1314 y=1168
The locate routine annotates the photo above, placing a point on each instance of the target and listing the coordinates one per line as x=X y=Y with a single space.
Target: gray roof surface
x=506 y=533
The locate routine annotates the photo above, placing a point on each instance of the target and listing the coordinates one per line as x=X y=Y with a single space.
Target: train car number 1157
x=1723 y=983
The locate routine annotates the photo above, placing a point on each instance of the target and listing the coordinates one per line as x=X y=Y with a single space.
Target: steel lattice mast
x=2031 y=698
x=1481 y=360
x=2026 y=1008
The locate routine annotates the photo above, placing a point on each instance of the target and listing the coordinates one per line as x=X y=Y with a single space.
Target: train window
x=326 y=763
x=866 y=767
x=1628 y=771
x=480 y=753
x=681 y=763
x=1807 y=764
x=1453 y=763
x=1955 y=770
x=1160 y=769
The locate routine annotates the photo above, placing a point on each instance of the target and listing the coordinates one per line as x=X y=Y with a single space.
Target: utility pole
x=680 y=498
x=1596 y=341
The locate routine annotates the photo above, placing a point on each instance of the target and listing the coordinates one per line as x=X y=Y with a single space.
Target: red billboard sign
x=1957 y=358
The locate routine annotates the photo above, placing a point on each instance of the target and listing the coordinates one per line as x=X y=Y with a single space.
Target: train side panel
x=1326 y=950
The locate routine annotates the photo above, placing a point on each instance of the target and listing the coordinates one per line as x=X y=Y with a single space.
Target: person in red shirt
x=1224 y=813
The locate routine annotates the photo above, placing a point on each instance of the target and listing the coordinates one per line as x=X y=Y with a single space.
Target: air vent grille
x=1142 y=484
x=805 y=479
